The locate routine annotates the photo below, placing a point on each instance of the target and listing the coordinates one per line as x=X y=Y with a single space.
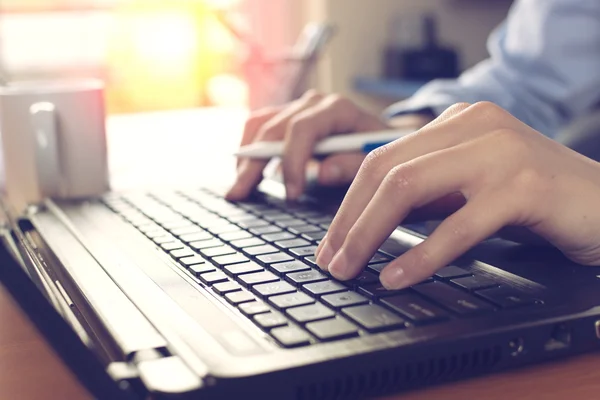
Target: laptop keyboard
x=259 y=257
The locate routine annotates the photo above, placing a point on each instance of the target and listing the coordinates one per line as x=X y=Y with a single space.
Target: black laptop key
x=475 y=282
x=198 y=269
x=270 y=320
x=217 y=251
x=187 y=261
x=243 y=268
x=273 y=258
x=300 y=278
x=182 y=253
x=274 y=237
x=378 y=258
x=454 y=299
x=344 y=299
x=290 y=336
x=451 y=272
x=374 y=318
x=308 y=228
x=377 y=290
x=226 y=287
x=415 y=308
x=242 y=243
x=172 y=245
x=506 y=297
x=304 y=251
x=206 y=244
x=195 y=237
x=291 y=300
x=273 y=288
x=236 y=235
x=257 y=278
x=364 y=278
x=239 y=297
x=263 y=230
x=253 y=308
x=309 y=313
x=230 y=259
x=290 y=223
x=260 y=250
x=289 y=244
x=210 y=278
x=330 y=329
x=314 y=236
x=283 y=268
x=324 y=287
x=376 y=268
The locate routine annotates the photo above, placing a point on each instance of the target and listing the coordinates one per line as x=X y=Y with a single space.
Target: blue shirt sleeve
x=544 y=67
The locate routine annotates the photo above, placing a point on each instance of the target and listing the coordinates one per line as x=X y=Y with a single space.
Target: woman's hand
x=507 y=173
x=301 y=124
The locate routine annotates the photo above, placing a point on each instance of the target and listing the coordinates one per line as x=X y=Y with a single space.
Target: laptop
x=182 y=294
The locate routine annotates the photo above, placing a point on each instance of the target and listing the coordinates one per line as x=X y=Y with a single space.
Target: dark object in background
x=425 y=63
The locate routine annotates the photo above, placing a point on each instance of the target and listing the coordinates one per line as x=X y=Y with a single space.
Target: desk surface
x=29 y=369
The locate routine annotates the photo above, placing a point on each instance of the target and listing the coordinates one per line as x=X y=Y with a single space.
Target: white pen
x=363 y=141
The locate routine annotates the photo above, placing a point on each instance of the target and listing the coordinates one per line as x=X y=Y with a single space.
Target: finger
x=406 y=187
x=256 y=120
x=458 y=233
x=334 y=114
x=340 y=168
x=250 y=170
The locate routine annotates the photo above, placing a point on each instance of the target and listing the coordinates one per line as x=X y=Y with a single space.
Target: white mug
x=54 y=140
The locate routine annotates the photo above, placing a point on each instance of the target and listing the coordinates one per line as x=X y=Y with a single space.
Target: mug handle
x=44 y=122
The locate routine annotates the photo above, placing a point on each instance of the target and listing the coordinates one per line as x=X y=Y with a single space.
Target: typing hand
x=507 y=173
x=301 y=124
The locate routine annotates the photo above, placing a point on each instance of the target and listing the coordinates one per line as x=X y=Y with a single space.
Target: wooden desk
x=30 y=370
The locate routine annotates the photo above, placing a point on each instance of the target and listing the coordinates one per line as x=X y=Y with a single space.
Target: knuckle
x=488 y=111
x=402 y=178
x=373 y=164
x=338 y=101
x=312 y=95
x=270 y=132
x=457 y=108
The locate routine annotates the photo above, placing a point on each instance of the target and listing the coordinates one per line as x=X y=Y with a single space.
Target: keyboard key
x=379 y=257
x=262 y=230
x=195 y=237
x=474 y=282
x=230 y=259
x=258 y=277
x=211 y=278
x=376 y=291
x=187 y=261
x=239 y=217
x=239 y=297
x=454 y=299
x=259 y=250
x=290 y=300
x=159 y=234
x=415 y=308
x=274 y=237
x=374 y=318
x=291 y=336
x=198 y=269
x=270 y=320
x=451 y=271
x=279 y=216
x=312 y=312
x=273 y=258
x=290 y=222
x=253 y=308
x=298 y=230
x=300 y=278
x=325 y=287
x=273 y=288
x=344 y=299
x=189 y=230
x=291 y=266
x=312 y=260
x=330 y=329
x=226 y=287
x=179 y=223
x=243 y=268
x=230 y=236
x=172 y=245
x=364 y=278
x=506 y=297
x=376 y=268
x=217 y=251
x=394 y=247
x=288 y=244
x=206 y=244
x=255 y=223
x=325 y=219
x=304 y=251
x=222 y=228
x=314 y=236
x=242 y=243
x=181 y=253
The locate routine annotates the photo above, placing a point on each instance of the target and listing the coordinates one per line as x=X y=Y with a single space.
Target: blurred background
x=178 y=54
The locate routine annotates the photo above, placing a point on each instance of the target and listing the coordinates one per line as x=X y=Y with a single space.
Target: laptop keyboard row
x=259 y=256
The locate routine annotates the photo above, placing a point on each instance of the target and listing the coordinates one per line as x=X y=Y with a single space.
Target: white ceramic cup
x=54 y=140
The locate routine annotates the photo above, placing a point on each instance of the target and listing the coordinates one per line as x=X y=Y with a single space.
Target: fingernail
x=325 y=256
x=292 y=190
x=339 y=265
x=393 y=279
x=332 y=174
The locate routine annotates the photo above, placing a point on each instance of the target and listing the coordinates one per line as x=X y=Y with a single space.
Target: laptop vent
x=401 y=376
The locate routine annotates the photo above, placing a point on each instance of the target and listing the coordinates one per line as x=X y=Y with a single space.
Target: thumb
x=340 y=168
